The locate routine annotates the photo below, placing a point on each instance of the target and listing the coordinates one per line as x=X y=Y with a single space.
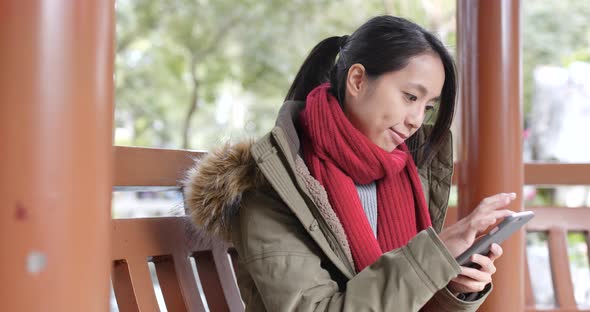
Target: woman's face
x=391 y=108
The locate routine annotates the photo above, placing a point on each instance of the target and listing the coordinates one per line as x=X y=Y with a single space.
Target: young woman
x=341 y=206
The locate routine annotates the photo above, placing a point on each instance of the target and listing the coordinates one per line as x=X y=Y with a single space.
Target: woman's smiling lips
x=398 y=138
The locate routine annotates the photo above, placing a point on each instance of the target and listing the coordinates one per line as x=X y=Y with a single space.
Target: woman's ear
x=355 y=80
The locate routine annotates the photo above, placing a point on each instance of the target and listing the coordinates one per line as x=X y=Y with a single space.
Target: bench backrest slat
x=168 y=242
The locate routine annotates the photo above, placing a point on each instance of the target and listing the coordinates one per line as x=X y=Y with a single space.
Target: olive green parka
x=293 y=252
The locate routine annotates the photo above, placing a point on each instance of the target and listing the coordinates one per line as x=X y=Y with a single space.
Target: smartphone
x=497 y=235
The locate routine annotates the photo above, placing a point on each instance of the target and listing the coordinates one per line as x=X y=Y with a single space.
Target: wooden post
x=56 y=118
x=490 y=150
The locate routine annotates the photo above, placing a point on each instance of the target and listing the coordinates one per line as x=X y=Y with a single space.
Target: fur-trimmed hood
x=214 y=187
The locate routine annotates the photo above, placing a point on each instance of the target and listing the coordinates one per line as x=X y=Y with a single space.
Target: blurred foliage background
x=193 y=74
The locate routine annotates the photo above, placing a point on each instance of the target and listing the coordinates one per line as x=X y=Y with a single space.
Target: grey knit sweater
x=368 y=196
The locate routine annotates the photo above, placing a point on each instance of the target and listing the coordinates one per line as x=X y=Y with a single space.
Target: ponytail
x=316 y=69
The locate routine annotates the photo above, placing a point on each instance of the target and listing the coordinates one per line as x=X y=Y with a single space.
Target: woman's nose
x=414 y=119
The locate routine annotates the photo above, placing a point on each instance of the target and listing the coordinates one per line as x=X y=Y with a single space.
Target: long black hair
x=382 y=44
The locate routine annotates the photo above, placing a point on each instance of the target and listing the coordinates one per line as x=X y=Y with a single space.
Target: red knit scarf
x=338 y=156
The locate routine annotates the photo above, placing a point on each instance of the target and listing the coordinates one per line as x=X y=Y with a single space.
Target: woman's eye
x=429 y=108
x=412 y=98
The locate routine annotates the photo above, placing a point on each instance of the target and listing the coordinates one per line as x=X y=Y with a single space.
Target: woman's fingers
x=493 y=217
x=475 y=280
x=498 y=197
x=489 y=211
x=486 y=265
x=480 y=222
x=463 y=284
x=496 y=252
x=498 y=214
x=479 y=275
x=497 y=201
x=462 y=234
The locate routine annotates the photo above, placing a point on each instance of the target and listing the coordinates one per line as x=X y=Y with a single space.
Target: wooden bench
x=170 y=243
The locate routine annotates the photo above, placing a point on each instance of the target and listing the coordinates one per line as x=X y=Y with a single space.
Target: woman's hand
x=474 y=280
x=461 y=235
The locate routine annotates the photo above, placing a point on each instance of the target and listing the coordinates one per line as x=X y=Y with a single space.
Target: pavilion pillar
x=490 y=145
x=56 y=160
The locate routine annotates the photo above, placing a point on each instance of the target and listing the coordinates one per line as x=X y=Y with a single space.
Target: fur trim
x=320 y=197
x=214 y=187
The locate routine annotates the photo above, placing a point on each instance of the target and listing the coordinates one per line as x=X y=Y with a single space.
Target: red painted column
x=490 y=147
x=56 y=159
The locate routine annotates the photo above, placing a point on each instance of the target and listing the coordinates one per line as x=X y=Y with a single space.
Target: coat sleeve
x=445 y=301
x=286 y=269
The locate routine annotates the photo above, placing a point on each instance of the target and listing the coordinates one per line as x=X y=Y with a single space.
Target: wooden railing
x=170 y=242
x=557 y=223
